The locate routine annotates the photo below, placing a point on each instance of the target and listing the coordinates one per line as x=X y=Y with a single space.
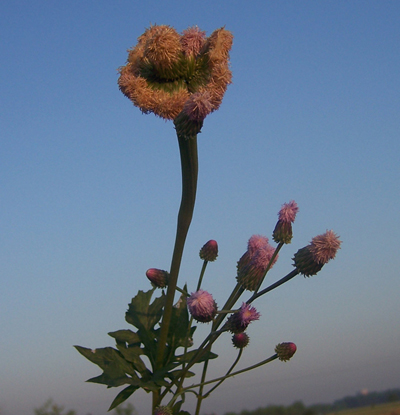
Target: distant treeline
x=348 y=402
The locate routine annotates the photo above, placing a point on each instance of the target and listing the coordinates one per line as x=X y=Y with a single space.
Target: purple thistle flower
x=288 y=212
x=239 y=321
x=310 y=259
x=202 y=306
x=253 y=263
x=324 y=247
x=192 y=41
x=283 y=230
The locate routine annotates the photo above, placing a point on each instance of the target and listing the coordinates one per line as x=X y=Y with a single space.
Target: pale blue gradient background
x=90 y=189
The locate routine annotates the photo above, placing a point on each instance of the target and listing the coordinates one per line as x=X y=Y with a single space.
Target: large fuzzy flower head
x=166 y=68
x=202 y=306
x=254 y=262
x=310 y=259
x=240 y=320
x=283 y=230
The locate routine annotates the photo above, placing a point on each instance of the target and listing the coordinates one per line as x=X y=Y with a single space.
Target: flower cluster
x=168 y=73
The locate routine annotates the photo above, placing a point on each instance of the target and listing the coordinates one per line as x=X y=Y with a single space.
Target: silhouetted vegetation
x=348 y=402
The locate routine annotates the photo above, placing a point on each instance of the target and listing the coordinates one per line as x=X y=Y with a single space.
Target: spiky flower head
x=166 y=68
x=285 y=351
x=310 y=259
x=202 y=306
x=283 y=229
x=158 y=277
x=162 y=410
x=240 y=320
x=240 y=340
x=209 y=251
x=253 y=264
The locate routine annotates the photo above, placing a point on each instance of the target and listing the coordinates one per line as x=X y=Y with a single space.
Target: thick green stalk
x=189 y=165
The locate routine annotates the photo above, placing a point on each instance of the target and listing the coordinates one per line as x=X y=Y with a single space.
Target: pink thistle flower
x=202 y=306
x=209 y=251
x=198 y=106
x=285 y=351
x=192 y=41
x=283 y=230
x=310 y=259
x=240 y=340
x=324 y=247
x=157 y=277
x=239 y=321
x=288 y=212
x=253 y=263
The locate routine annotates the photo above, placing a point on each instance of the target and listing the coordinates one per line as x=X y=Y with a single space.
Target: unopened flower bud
x=285 y=351
x=209 y=251
x=202 y=306
x=240 y=340
x=158 y=277
x=310 y=259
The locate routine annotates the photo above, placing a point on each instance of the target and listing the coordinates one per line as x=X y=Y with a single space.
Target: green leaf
x=186 y=358
x=113 y=364
x=179 y=327
x=142 y=314
x=123 y=396
x=125 y=336
x=132 y=354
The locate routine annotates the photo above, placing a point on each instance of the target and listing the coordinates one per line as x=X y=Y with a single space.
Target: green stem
x=203 y=269
x=275 y=285
x=201 y=387
x=189 y=166
x=226 y=375
x=264 y=362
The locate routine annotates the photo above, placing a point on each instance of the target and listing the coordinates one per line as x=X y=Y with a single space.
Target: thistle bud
x=158 y=277
x=209 y=251
x=310 y=259
x=285 y=351
x=240 y=340
x=202 y=306
x=283 y=230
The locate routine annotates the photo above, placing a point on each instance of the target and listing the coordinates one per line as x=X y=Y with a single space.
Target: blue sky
x=90 y=188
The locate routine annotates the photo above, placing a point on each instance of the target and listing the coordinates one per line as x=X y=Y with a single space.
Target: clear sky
x=90 y=187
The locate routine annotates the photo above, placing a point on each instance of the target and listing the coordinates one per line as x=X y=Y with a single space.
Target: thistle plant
x=183 y=78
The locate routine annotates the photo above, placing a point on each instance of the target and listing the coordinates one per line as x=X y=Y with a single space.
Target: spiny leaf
x=142 y=314
x=125 y=336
